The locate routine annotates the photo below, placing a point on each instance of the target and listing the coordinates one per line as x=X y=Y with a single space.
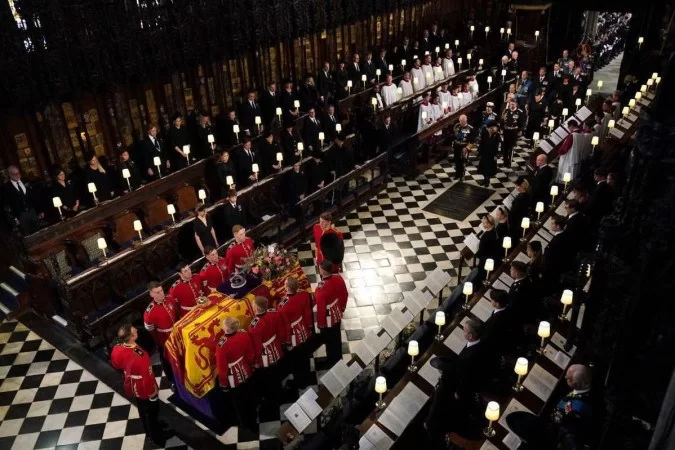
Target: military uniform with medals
x=159 y=319
x=513 y=122
x=331 y=301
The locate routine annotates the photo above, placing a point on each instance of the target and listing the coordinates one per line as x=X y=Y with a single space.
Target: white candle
x=101 y=243
x=138 y=226
x=489 y=265
x=503 y=74
x=599 y=84
x=403 y=61
x=235 y=129
x=480 y=62
x=551 y=124
x=447 y=45
x=439 y=319
x=280 y=156
x=202 y=195
x=487 y=30
x=57 y=202
x=126 y=173
x=338 y=127
x=229 y=180
x=508 y=31
x=391 y=67
x=539 y=207
x=438 y=49
x=501 y=32
x=186 y=148
x=631 y=103
x=278 y=111
x=535 y=137
x=565 y=112
x=255 y=168
x=625 y=110
x=467 y=289
x=296 y=103
x=171 y=209
x=91 y=187
x=211 y=138
x=456 y=42
x=525 y=223
x=322 y=136
x=595 y=140
x=611 y=123
x=655 y=75
x=157 y=160
x=567 y=177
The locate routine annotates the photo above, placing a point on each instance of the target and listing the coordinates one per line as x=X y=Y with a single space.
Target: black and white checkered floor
x=48 y=400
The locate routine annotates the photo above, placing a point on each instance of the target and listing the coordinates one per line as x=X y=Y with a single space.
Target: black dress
x=65 y=193
x=134 y=179
x=488 y=151
x=204 y=231
x=102 y=182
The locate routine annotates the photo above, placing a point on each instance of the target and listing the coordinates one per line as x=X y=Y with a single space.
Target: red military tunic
x=186 y=293
x=234 y=358
x=318 y=232
x=159 y=319
x=296 y=310
x=268 y=332
x=139 y=381
x=236 y=254
x=331 y=301
x=213 y=274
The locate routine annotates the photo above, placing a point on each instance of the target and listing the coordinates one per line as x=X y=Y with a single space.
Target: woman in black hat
x=488 y=151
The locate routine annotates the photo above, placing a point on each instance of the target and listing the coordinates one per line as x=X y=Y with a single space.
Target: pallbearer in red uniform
x=240 y=249
x=139 y=382
x=235 y=357
x=268 y=333
x=296 y=309
x=159 y=317
x=331 y=301
x=214 y=271
x=187 y=289
x=325 y=226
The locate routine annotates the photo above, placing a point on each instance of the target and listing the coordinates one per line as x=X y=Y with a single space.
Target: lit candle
x=638 y=95
x=489 y=267
x=578 y=103
x=599 y=84
x=438 y=49
x=508 y=32
x=138 y=226
x=506 y=244
x=301 y=147
x=595 y=140
x=468 y=57
x=535 y=138
x=567 y=177
x=480 y=62
x=524 y=224
x=655 y=75
x=258 y=121
x=102 y=245
x=349 y=86
x=471 y=28
x=543 y=331
x=657 y=80
x=171 y=209
x=413 y=350
x=373 y=101
x=380 y=388
x=212 y=139
x=444 y=105
x=58 y=204
x=202 y=196
x=501 y=33
x=588 y=94
x=566 y=300
x=536 y=36
x=338 y=127
x=439 y=320
x=456 y=43
x=391 y=67
x=640 y=41
x=611 y=123
x=489 y=80
x=229 y=181
x=126 y=175
x=467 y=290
x=255 y=169
x=521 y=370
x=278 y=111
x=296 y=103
x=322 y=136
x=625 y=110
x=92 y=189
x=459 y=62
x=157 y=161
x=424 y=115
x=503 y=74
x=650 y=83
x=565 y=113
x=403 y=62
x=551 y=124
x=186 y=148
x=539 y=208
x=631 y=103
x=415 y=81
x=487 y=30
x=554 y=193
x=235 y=129
x=399 y=92
x=280 y=158
x=427 y=75
x=491 y=414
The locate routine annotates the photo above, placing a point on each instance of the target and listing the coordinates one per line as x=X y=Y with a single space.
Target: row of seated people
x=251 y=363
x=456 y=405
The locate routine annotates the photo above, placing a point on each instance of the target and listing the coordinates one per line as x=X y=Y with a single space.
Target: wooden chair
x=186 y=199
x=155 y=214
x=123 y=228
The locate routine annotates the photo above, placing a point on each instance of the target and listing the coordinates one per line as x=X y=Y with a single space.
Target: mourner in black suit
x=341 y=79
x=354 y=70
x=178 y=138
x=461 y=378
x=601 y=201
x=326 y=84
x=317 y=173
x=498 y=331
x=309 y=95
x=577 y=227
x=329 y=121
x=382 y=64
x=386 y=135
x=148 y=149
x=540 y=181
x=205 y=131
x=20 y=202
x=244 y=160
x=558 y=258
x=269 y=101
x=523 y=296
x=311 y=129
x=502 y=223
x=249 y=110
x=287 y=99
x=520 y=207
x=297 y=189
x=233 y=212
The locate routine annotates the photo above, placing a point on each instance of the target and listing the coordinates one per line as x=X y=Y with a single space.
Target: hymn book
x=297 y=417
x=456 y=341
x=540 y=382
x=472 y=242
x=430 y=373
x=482 y=310
x=437 y=280
x=376 y=439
